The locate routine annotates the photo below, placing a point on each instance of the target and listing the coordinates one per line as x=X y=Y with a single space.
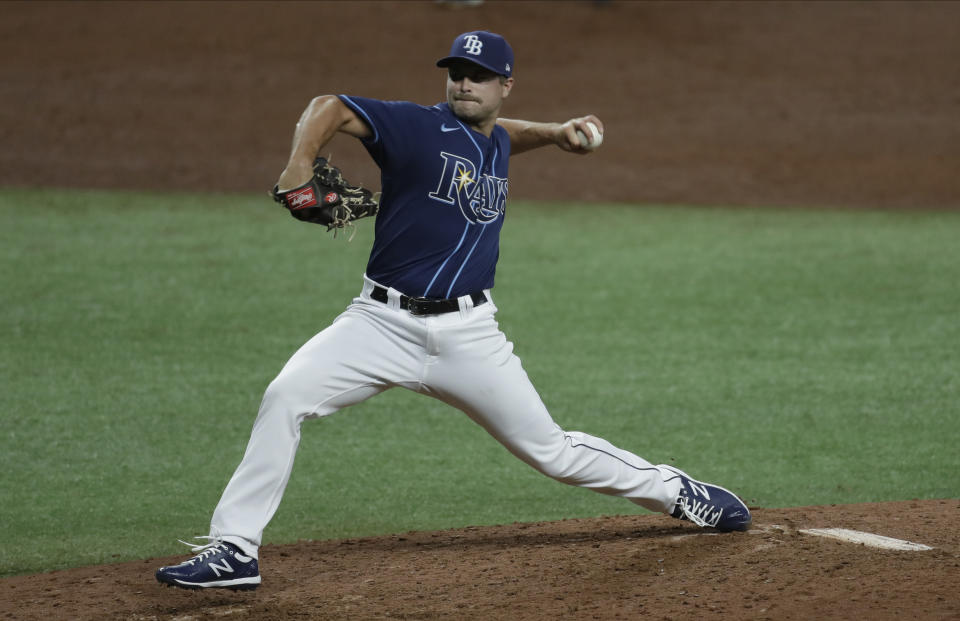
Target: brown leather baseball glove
x=329 y=199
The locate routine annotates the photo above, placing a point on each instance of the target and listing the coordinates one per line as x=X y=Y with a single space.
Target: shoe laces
x=214 y=545
x=701 y=513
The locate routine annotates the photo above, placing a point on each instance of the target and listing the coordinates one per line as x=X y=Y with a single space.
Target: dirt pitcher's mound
x=627 y=567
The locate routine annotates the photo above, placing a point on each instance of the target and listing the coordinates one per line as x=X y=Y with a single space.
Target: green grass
x=799 y=357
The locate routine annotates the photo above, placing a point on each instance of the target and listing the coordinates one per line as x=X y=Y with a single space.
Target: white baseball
x=595 y=139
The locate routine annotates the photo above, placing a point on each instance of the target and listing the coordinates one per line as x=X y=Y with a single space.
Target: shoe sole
x=190 y=586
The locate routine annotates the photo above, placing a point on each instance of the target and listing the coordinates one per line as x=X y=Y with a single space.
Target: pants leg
x=474 y=369
x=460 y=358
x=358 y=356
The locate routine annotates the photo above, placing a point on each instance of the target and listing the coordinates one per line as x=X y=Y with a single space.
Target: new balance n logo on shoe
x=218 y=568
x=699 y=488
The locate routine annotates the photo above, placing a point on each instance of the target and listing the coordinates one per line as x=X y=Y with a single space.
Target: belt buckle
x=419 y=306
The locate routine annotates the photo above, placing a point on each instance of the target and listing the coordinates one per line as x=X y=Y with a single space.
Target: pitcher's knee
x=280 y=401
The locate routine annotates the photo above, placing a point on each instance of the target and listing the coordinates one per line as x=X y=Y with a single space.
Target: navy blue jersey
x=444 y=192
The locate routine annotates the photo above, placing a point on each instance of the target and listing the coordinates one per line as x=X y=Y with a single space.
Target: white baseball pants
x=461 y=358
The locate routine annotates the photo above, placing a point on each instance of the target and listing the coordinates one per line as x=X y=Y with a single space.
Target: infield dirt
x=794 y=104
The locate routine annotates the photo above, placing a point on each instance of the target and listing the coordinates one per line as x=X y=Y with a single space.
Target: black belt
x=427 y=306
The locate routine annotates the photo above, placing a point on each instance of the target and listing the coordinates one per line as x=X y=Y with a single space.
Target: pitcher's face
x=476 y=94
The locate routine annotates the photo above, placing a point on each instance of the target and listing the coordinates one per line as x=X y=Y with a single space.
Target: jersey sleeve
x=392 y=123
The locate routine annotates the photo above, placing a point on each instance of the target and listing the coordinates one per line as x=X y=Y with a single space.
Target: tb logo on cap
x=472 y=44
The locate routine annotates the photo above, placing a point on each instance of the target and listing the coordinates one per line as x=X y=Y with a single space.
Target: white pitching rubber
x=867 y=539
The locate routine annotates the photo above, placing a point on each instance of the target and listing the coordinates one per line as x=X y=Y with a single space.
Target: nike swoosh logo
x=444 y=128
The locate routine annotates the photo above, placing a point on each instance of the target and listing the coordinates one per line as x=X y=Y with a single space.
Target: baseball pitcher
x=425 y=317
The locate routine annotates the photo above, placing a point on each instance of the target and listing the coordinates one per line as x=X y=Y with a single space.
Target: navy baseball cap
x=487 y=49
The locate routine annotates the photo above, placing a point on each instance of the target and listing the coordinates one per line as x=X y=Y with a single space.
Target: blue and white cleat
x=708 y=505
x=219 y=565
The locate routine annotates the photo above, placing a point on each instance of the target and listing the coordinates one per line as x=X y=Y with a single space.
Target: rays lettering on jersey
x=481 y=199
